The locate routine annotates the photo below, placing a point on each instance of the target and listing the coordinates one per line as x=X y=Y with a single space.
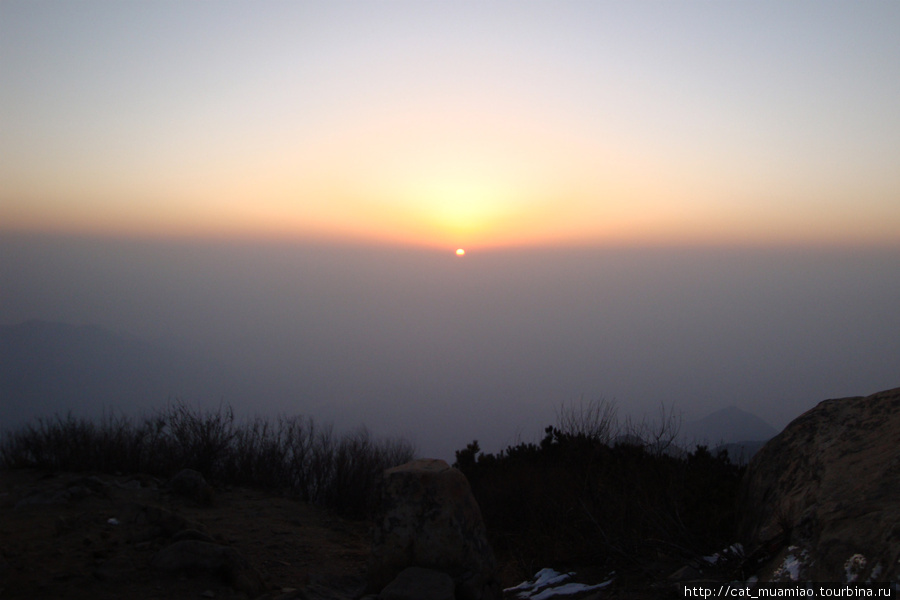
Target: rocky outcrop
x=431 y=520
x=829 y=487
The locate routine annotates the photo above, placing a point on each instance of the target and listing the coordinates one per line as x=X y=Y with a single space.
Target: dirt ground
x=87 y=535
x=94 y=536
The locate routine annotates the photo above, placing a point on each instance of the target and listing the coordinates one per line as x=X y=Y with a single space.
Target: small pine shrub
x=578 y=497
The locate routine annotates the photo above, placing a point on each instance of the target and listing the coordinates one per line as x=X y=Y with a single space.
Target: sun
x=460 y=252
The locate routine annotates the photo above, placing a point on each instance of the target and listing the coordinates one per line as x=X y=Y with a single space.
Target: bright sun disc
x=460 y=252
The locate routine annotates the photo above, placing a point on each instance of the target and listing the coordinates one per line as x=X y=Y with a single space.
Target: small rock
x=192 y=534
x=62 y=526
x=191 y=484
x=44 y=499
x=416 y=583
x=192 y=555
x=92 y=483
x=157 y=522
x=116 y=568
x=686 y=573
x=77 y=492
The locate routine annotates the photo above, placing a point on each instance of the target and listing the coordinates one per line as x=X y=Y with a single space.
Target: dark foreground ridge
x=98 y=536
x=265 y=511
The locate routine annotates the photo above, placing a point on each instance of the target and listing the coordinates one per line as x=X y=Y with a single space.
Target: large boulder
x=828 y=487
x=430 y=519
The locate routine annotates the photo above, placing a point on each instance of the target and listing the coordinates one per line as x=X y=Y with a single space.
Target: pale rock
x=829 y=485
x=430 y=519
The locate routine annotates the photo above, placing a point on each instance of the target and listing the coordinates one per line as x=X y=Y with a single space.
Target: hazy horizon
x=447 y=349
x=689 y=203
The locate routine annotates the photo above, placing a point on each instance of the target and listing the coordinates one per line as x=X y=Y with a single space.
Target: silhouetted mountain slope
x=741 y=452
x=56 y=367
x=728 y=425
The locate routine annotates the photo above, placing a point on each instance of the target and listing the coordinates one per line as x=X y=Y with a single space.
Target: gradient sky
x=453 y=124
x=694 y=204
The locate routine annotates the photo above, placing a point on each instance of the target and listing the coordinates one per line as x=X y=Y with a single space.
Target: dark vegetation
x=589 y=493
x=291 y=455
x=592 y=493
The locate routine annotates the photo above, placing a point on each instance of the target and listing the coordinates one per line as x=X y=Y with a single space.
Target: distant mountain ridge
x=736 y=431
x=51 y=367
x=728 y=426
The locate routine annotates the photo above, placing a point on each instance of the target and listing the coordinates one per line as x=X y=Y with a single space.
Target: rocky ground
x=96 y=536
x=83 y=535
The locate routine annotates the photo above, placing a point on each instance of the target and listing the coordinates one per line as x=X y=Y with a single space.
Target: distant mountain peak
x=727 y=425
x=49 y=367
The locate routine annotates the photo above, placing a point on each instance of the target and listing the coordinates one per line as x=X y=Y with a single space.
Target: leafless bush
x=202 y=437
x=258 y=455
x=293 y=455
x=657 y=435
x=595 y=420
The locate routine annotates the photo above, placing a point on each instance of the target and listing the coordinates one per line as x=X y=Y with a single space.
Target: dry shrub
x=291 y=455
